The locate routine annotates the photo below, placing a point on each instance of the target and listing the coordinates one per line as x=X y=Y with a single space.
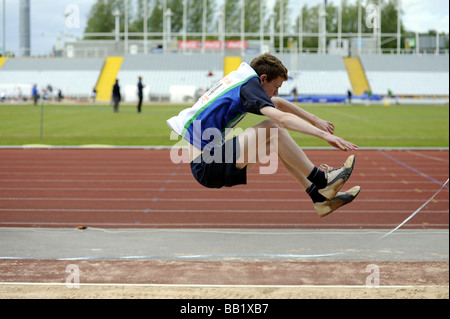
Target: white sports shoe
x=337 y=177
x=330 y=205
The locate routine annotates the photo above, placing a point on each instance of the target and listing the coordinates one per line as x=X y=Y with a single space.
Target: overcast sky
x=48 y=21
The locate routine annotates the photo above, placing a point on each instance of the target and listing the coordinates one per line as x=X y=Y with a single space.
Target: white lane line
x=214 y=286
x=149 y=210
x=157 y=199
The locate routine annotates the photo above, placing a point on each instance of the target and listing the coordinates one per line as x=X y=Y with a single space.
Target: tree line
x=101 y=19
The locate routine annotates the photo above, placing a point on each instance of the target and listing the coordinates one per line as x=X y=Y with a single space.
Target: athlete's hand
x=340 y=143
x=325 y=126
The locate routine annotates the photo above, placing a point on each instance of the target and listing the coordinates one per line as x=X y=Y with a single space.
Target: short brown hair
x=270 y=65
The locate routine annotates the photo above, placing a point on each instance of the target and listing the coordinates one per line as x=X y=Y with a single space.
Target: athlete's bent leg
x=256 y=141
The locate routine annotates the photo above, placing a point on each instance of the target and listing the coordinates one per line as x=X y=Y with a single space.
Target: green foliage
x=100 y=18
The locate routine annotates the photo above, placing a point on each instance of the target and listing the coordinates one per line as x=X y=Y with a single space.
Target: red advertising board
x=189 y=45
x=213 y=45
x=236 y=45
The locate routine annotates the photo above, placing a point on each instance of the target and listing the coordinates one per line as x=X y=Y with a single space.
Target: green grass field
x=366 y=126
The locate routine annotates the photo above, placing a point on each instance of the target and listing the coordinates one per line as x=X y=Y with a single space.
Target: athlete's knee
x=269 y=123
x=274 y=131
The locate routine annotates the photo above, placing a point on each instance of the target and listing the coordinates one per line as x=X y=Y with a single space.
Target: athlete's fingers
x=337 y=144
x=331 y=128
x=349 y=145
x=343 y=146
x=352 y=146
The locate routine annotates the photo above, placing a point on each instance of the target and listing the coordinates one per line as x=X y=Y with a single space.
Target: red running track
x=144 y=189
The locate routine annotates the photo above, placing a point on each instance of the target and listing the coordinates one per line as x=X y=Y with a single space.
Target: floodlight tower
x=204 y=16
x=4 y=29
x=24 y=28
x=116 y=14
x=242 y=27
x=281 y=26
x=145 y=25
x=185 y=12
x=323 y=28
x=221 y=21
x=272 y=31
x=168 y=42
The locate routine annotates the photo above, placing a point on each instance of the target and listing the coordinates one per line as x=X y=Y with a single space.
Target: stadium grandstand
x=76 y=78
x=407 y=75
x=177 y=70
x=181 y=78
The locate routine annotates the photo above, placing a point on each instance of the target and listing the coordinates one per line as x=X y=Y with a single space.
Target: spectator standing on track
x=216 y=163
x=49 y=91
x=349 y=96
x=140 y=88
x=35 y=94
x=94 y=95
x=60 y=95
x=295 y=94
x=116 y=96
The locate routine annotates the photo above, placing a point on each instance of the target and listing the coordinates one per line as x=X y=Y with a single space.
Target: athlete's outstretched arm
x=288 y=107
x=292 y=122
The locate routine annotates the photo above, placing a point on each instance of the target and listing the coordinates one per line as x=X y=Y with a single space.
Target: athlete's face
x=271 y=87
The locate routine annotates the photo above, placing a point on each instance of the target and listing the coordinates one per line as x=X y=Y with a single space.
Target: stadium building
x=178 y=66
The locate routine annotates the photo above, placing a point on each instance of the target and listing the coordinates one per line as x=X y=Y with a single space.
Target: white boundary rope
x=416 y=212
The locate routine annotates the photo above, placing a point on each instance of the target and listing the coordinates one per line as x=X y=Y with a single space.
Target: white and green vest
x=218 y=110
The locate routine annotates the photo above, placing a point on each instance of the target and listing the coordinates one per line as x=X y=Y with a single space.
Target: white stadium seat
x=311 y=74
x=411 y=75
x=75 y=77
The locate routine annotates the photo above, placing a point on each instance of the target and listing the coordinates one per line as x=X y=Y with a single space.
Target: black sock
x=313 y=192
x=318 y=178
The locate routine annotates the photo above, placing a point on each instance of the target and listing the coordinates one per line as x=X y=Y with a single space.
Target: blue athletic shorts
x=220 y=173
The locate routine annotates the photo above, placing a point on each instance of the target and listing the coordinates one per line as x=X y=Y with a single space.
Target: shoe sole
x=335 y=186
x=342 y=199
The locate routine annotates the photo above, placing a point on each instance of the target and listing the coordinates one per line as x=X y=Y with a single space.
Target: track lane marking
x=412 y=169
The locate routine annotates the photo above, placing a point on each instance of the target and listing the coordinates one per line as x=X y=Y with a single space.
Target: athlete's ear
x=263 y=78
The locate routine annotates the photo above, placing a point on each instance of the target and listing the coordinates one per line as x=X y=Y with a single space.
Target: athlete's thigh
x=253 y=143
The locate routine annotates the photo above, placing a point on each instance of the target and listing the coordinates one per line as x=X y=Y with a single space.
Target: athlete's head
x=271 y=71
